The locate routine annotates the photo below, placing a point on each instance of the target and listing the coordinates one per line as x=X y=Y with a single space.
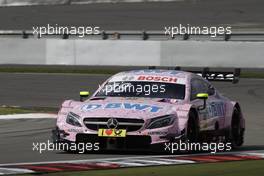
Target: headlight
x=160 y=122
x=73 y=119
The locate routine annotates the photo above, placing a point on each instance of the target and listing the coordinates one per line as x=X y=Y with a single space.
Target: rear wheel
x=236 y=135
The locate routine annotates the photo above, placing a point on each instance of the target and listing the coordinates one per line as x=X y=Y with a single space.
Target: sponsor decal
x=159 y=133
x=165 y=72
x=167 y=79
x=75 y=130
x=112 y=133
x=128 y=78
x=214 y=109
x=125 y=106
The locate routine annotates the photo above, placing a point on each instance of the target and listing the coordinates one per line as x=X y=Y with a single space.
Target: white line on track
x=126 y=163
x=151 y=162
x=31 y=3
x=176 y=161
x=4 y=171
x=28 y=116
x=257 y=154
x=123 y=1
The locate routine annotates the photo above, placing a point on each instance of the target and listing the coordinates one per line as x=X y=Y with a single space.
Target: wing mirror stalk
x=83 y=95
x=204 y=97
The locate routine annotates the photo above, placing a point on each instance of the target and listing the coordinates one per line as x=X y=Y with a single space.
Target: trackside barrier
x=132 y=53
x=139 y=35
x=32 y=2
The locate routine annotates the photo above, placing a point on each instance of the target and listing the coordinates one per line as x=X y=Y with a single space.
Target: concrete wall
x=52 y=2
x=18 y=51
x=132 y=53
x=217 y=54
x=116 y=1
x=31 y=2
x=117 y=53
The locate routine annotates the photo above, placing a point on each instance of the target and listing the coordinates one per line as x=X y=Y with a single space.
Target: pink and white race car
x=141 y=108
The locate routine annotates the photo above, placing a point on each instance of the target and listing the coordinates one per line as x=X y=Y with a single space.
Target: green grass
x=237 y=168
x=16 y=110
x=252 y=75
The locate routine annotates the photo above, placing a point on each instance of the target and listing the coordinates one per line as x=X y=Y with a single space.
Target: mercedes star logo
x=112 y=123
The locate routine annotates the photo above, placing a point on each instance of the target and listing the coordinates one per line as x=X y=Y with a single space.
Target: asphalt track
x=17 y=136
x=138 y=16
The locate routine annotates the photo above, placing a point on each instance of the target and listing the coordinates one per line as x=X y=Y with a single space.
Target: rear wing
x=206 y=73
x=224 y=76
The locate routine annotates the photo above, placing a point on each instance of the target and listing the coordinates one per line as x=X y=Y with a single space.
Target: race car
x=140 y=109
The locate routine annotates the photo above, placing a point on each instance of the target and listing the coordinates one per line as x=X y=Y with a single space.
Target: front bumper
x=128 y=142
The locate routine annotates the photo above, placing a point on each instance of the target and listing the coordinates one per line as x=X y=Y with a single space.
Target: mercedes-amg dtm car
x=141 y=108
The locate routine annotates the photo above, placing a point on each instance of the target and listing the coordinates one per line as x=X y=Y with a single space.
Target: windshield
x=143 y=89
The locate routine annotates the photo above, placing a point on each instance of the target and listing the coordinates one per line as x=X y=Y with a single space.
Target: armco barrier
x=140 y=35
x=132 y=53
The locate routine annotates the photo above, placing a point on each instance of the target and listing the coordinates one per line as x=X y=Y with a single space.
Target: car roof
x=157 y=72
x=181 y=76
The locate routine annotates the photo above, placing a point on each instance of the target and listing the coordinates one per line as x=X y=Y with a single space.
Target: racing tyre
x=193 y=128
x=237 y=132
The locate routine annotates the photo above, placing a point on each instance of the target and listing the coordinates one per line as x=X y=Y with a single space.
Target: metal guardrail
x=139 y=35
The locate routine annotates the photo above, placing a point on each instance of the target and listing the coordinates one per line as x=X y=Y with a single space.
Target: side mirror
x=83 y=95
x=211 y=90
x=204 y=97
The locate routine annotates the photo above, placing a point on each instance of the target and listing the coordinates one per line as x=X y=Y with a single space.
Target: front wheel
x=193 y=128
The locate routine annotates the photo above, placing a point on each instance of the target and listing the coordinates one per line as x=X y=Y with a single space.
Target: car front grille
x=123 y=123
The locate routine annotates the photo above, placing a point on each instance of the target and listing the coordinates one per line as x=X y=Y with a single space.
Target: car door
x=214 y=107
